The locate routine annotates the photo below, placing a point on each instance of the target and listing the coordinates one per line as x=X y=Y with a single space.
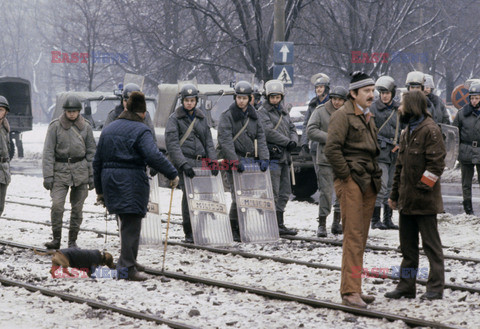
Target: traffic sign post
x=284 y=73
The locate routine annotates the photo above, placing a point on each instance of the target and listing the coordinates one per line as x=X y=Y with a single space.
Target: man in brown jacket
x=417 y=194
x=352 y=150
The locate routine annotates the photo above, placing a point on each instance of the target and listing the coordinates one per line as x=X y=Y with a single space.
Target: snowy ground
x=209 y=307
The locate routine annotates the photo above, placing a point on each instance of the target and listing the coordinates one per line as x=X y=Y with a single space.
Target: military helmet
x=386 y=83
x=128 y=89
x=243 y=88
x=322 y=80
x=429 y=82
x=189 y=91
x=274 y=87
x=415 y=78
x=72 y=103
x=474 y=89
x=339 y=92
x=4 y=103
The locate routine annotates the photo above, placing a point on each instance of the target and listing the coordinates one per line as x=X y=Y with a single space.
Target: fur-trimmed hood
x=67 y=124
x=237 y=113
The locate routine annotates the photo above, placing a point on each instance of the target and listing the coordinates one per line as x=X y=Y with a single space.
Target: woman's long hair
x=415 y=102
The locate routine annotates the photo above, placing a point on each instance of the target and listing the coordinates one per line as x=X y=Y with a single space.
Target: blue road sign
x=283 y=73
x=283 y=52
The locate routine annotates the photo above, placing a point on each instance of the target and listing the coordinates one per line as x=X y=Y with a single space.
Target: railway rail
x=316 y=303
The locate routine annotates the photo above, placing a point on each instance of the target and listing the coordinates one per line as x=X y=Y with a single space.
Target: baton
x=166 y=234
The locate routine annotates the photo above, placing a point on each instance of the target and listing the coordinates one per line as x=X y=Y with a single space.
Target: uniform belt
x=2 y=159
x=196 y=157
x=473 y=143
x=69 y=160
x=246 y=154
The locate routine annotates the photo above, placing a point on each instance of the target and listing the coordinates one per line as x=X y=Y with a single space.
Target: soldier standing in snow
x=67 y=164
x=4 y=151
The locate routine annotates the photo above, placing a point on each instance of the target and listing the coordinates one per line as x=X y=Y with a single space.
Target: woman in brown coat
x=416 y=193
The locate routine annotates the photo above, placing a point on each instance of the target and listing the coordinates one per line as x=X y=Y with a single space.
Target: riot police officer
x=385 y=111
x=189 y=142
x=281 y=134
x=67 y=164
x=440 y=108
x=4 y=151
x=468 y=122
x=317 y=131
x=238 y=129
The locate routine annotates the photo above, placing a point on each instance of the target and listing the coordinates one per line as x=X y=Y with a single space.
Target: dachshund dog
x=83 y=259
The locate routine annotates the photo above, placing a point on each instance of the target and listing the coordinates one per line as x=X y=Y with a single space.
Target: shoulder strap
x=388 y=119
x=188 y=132
x=279 y=121
x=241 y=130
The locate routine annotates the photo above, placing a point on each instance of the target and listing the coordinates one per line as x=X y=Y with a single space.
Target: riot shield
x=208 y=209
x=151 y=232
x=452 y=143
x=257 y=218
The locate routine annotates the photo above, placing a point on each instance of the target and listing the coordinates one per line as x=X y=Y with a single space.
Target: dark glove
x=153 y=172
x=100 y=200
x=305 y=152
x=213 y=165
x=240 y=167
x=305 y=148
x=264 y=165
x=91 y=185
x=291 y=146
x=48 y=183
x=188 y=170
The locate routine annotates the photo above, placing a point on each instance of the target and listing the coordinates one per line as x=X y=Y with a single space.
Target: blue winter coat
x=125 y=147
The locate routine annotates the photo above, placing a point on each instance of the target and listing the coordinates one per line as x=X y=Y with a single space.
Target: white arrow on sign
x=285 y=77
x=284 y=50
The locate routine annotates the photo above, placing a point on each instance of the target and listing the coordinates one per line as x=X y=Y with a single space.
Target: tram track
x=316 y=303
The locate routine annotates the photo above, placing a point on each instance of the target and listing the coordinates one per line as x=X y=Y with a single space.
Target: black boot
x=322 y=229
x=57 y=238
x=337 y=225
x=376 y=222
x=282 y=229
x=467 y=205
x=387 y=218
x=72 y=238
x=234 y=223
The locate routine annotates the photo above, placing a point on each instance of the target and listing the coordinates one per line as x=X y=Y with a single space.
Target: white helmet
x=429 y=81
x=415 y=78
x=274 y=87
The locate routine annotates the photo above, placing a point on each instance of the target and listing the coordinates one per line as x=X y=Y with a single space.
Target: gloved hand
x=291 y=146
x=91 y=185
x=174 y=182
x=48 y=183
x=152 y=172
x=263 y=165
x=100 y=200
x=305 y=152
x=240 y=167
x=213 y=165
x=188 y=170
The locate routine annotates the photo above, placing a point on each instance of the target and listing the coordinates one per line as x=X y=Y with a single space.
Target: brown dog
x=82 y=259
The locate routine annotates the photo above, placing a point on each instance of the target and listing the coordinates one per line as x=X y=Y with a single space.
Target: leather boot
x=337 y=225
x=322 y=230
x=376 y=222
x=387 y=218
x=354 y=300
x=57 y=238
x=467 y=206
x=282 y=229
x=72 y=238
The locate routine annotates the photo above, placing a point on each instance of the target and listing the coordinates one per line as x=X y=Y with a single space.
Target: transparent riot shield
x=452 y=143
x=208 y=209
x=257 y=218
x=151 y=232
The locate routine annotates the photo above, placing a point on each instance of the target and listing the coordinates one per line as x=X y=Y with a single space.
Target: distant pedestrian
x=352 y=150
x=67 y=165
x=125 y=147
x=468 y=122
x=4 y=151
x=416 y=193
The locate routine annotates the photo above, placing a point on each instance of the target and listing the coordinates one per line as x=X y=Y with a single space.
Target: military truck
x=213 y=99
x=95 y=106
x=17 y=92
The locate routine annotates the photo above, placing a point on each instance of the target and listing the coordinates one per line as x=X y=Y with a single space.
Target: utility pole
x=279 y=20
